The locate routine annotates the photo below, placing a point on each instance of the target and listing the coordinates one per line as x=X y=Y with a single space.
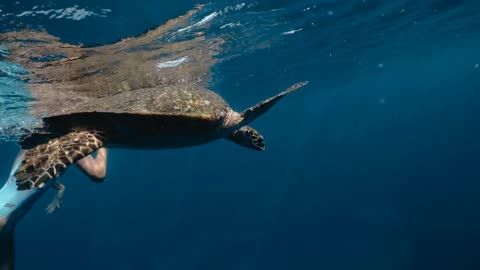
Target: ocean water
x=373 y=165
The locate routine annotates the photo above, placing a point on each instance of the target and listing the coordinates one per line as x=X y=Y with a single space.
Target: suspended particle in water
x=476 y=66
x=330 y=13
x=380 y=65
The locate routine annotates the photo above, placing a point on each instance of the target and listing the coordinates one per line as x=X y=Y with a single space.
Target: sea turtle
x=148 y=91
x=152 y=118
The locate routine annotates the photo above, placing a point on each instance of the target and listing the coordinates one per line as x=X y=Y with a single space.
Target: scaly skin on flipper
x=248 y=137
x=48 y=161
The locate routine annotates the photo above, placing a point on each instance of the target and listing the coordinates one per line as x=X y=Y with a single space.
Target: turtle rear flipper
x=48 y=161
x=254 y=112
x=57 y=201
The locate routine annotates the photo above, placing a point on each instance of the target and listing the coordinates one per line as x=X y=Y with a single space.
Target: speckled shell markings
x=188 y=100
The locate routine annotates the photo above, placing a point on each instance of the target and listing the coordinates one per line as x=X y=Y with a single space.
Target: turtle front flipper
x=254 y=112
x=48 y=161
x=248 y=137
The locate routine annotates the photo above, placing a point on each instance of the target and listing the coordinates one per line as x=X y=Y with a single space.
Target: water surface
x=372 y=166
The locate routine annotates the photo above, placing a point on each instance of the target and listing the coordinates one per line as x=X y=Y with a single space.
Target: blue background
x=374 y=165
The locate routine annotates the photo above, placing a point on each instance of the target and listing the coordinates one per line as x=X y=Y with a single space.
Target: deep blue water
x=374 y=165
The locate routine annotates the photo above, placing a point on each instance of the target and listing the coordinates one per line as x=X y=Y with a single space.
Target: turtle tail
x=254 y=112
x=7 y=250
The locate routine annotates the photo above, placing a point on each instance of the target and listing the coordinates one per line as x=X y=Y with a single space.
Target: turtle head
x=231 y=118
x=248 y=137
